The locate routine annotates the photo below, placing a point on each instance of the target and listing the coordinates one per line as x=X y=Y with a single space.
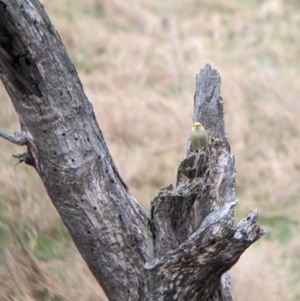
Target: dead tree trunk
x=181 y=250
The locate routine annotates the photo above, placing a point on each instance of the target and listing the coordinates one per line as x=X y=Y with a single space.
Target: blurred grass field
x=137 y=61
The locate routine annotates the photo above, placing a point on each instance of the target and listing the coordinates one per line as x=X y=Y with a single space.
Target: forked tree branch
x=181 y=250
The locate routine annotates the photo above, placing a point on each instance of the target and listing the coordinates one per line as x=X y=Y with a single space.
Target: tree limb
x=193 y=223
x=16 y=138
x=108 y=226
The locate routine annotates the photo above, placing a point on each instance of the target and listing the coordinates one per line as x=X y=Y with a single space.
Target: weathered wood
x=193 y=223
x=182 y=250
x=108 y=226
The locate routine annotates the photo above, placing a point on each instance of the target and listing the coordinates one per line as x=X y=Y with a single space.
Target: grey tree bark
x=183 y=249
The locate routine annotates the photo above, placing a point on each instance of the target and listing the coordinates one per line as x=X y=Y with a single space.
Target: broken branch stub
x=194 y=219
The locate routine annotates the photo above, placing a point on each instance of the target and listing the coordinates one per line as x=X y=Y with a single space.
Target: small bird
x=198 y=137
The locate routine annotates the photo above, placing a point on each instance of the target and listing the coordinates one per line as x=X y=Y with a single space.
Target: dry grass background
x=137 y=61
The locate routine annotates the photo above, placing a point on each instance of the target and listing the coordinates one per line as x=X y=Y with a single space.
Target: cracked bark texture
x=178 y=252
